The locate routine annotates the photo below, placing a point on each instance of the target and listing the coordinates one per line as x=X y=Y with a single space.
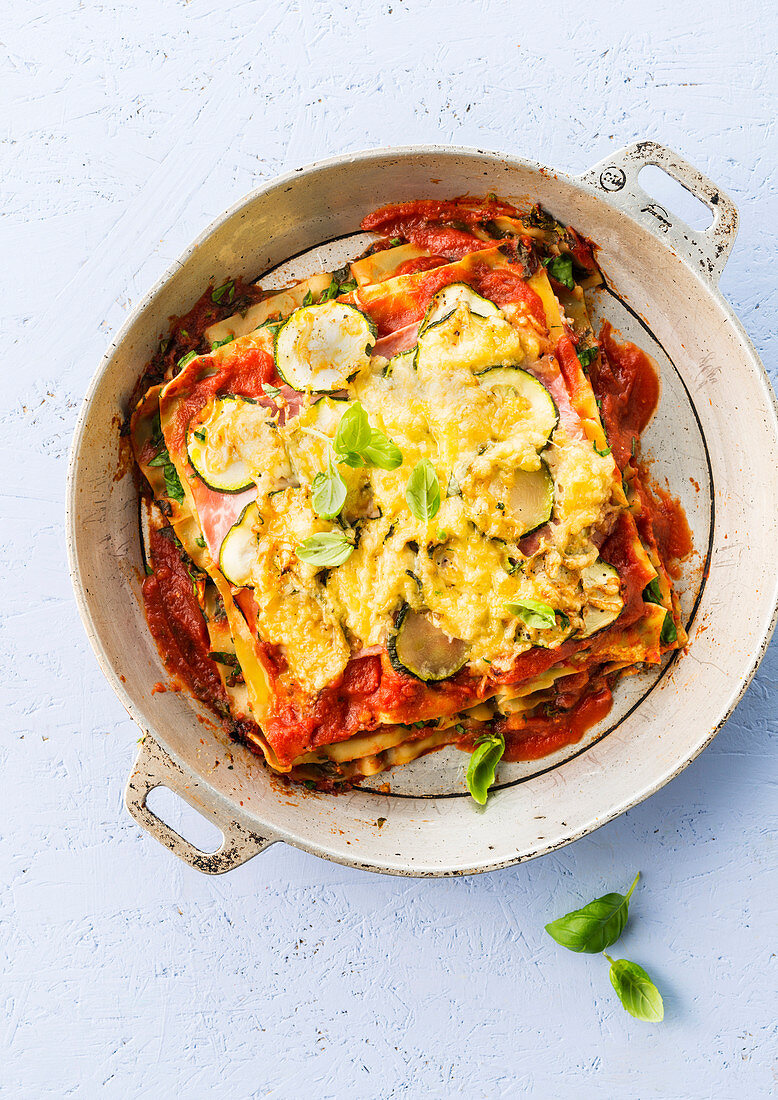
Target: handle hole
x=674 y=197
x=185 y=820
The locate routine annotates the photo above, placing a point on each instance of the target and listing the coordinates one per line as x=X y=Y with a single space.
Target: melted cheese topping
x=466 y=564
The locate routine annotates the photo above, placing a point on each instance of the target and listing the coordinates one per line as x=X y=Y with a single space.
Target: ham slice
x=402 y=339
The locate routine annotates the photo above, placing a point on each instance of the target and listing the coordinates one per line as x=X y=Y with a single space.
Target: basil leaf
x=327 y=549
x=669 y=632
x=348 y=286
x=382 y=451
x=486 y=756
x=595 y=927
x=586 y=356
x=308 y=299
x=353 y=433
x=394 y=241
x=636 y=991
x=330 y=292
x=329 y=493
x=535 y=613
x=423 y=491
x=220 y=343
x=652 y=593
x=351 y=459
x=190 y=355
x=271 y=391
x=226 y=290
x=561 y=269
x=224 y=658
x=602 y=454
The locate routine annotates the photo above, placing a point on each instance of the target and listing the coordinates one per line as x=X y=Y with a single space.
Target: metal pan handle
x=617 y=179
x=154 y=768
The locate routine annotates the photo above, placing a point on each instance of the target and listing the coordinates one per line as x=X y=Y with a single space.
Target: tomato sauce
x=176 y=622
x=626 y=381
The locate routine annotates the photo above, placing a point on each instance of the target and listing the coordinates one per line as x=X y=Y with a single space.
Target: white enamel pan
x=714 y=438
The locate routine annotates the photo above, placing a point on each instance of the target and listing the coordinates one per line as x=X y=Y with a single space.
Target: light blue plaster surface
x=126 y=128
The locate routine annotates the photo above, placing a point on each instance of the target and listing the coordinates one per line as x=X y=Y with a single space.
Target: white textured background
x=126 y=127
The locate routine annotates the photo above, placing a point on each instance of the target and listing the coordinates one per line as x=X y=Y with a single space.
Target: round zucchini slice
x=320 y=347
x=235 y=477
x=597 y=576
x=531 y=498
x=423 y=650
x=447 y=300
x=239 y=549
x=543 y=408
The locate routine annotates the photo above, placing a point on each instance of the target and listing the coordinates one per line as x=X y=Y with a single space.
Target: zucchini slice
x=234 y=478
x=597 y=576
x=320 y=347
x=447 y=300
x=239 y=548
x=422 y=649
x=531 y=498
x=405 y=359
x=542 y=406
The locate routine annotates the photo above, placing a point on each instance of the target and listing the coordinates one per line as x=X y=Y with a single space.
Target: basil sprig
x=173 y=487
x=358 y=444
x=423 y=491
x=486 y=756
x=596 y=926
x=535 y=613
x=327 y=549
x=329 y=492
x=636 y=991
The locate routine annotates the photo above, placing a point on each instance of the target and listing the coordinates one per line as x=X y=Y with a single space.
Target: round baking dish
x=715 y=426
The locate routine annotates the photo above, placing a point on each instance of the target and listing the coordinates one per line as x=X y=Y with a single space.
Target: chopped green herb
x=182 y=362
x=561 y=269
x=308 y=299
x=602 y=454
x=586 y=355
x=200 y=435
x=226 y=290
x=200 y=541
x=220 y=343
x=271 y=391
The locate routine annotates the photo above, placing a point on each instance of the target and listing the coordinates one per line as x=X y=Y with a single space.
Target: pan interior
x=675 y=448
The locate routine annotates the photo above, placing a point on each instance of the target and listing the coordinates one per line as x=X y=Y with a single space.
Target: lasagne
x=399 y=505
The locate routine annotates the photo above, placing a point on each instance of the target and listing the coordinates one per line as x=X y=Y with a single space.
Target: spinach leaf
x=561 y=269
x=327 y=549
x=486 y=756
x=594 y=927
x=636 y=991
x=586 y=355
x=535 y=613
x=423 y=491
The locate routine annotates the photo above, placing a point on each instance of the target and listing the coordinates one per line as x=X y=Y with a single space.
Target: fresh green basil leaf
x=354 y=432
x=348 y=286
x=486 y=756
x=327 y=549
x=594 y=927
x=162 y=459
x=182 y=362
x=220 y=343
x=561 y=268
x=652 y=593
x=586 y=356
x=271 y=391
x=351 y=459
x=308 y=299
x=329 y=493
x=535 y=613
x=382 y=452
x=423 y=491
x=226 y=290
x=636 y=991
x=669 y=632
